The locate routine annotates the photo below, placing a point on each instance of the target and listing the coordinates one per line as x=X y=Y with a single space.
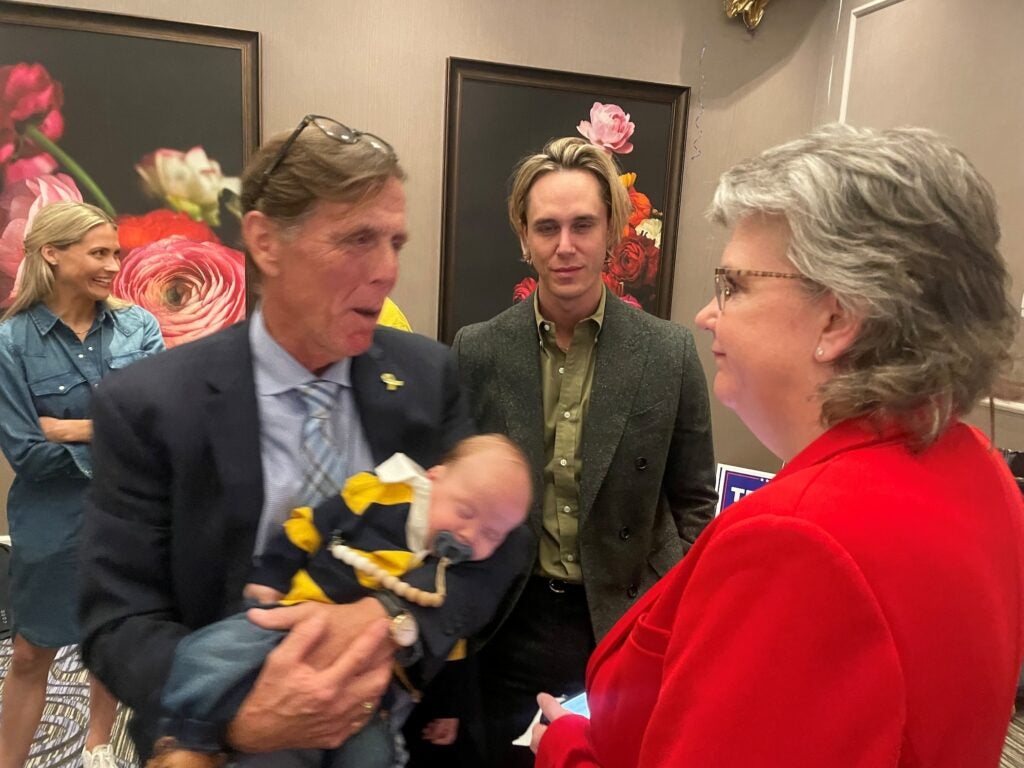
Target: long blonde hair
x=60 y=225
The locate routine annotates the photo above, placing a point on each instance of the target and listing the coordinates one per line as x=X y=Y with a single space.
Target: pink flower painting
x=27 y=94
x=173 y=263
x=190 y=287
x=608 y=127
x=19 y=203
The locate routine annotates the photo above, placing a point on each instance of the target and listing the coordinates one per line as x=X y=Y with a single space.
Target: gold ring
x=368 y=706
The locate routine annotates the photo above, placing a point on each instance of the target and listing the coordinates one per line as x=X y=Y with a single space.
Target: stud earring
x=819 y=352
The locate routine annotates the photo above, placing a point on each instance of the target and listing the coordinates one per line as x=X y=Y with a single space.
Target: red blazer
x=862 y=609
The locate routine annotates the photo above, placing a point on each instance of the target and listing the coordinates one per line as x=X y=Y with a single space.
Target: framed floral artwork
x=496 y=115
x=151 y=121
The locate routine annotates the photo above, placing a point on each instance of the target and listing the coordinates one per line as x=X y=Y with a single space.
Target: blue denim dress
x=46 y=371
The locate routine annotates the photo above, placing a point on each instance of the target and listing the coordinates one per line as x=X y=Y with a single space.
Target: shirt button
x=90 y=349
x=561 y=369
x=567 y=509
x=563 y=462
x=567 y=414
x=80 y=356
x=640 y=463
x=570 y=559
x=625 y=533
x=632 y=591
x=60 y=388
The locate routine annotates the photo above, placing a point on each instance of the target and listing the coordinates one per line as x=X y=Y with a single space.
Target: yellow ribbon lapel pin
x=391 y=382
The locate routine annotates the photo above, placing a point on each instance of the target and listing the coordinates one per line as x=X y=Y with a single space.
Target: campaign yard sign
x=733 y=483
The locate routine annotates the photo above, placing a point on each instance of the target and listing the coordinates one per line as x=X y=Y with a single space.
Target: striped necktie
x=324 y=460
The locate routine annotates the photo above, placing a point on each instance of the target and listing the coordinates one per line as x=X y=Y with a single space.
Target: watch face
x=404 y=630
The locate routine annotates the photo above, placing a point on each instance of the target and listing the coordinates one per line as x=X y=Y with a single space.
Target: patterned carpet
x=61 y=735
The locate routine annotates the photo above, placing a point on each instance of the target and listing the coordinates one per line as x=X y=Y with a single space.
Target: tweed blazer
x=171 y=517
x=647 y=478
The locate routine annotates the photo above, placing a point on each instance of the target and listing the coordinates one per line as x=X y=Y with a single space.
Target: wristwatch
x=404 y=629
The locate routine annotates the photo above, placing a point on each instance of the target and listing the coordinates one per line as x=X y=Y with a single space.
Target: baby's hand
x=261 y=593
x=442 y=731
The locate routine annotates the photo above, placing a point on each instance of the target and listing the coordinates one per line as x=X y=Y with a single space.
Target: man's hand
x=322 y=683
x=552 y=710
x=442 y=731
x=66 y=430
x=261 y=593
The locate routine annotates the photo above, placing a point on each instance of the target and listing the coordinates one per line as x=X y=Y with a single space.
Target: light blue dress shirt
x=282 y=414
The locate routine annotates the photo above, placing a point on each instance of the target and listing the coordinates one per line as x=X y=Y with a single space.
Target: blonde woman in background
x=60 y=336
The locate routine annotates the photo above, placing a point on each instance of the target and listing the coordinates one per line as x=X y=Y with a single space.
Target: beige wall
x=382 y=66
x=943 y=66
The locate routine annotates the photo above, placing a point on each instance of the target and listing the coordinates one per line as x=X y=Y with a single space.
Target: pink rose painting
x=173 y=262
x=608 y=127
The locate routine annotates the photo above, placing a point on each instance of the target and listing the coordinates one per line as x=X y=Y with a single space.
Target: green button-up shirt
x=566 y=379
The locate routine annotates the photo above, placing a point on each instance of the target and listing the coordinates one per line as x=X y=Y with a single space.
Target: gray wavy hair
x=902 y=229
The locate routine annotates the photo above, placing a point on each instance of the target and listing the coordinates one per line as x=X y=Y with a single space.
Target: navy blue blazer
x=172 y=513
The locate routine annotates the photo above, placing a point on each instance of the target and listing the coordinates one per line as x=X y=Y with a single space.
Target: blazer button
x=632 y=591
x=625 y=533
x=640 y=463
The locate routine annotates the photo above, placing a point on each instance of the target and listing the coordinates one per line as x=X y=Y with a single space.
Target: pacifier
x=446 y=545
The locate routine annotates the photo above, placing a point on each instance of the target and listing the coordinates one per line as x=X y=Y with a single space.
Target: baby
x=421 y=542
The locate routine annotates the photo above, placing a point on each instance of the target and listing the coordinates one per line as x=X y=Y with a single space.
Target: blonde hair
x=570 y=154
x=59 y=225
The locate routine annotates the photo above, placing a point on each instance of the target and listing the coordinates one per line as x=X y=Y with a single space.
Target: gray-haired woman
x=864 y=608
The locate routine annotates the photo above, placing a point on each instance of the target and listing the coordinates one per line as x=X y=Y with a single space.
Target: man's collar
x=277 y=371
x=597 y=315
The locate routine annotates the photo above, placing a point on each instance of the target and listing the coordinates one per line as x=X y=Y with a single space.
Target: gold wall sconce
x=752 y=11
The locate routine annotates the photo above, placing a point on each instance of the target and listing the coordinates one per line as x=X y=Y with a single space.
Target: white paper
x=577 y=705
x=527 y=735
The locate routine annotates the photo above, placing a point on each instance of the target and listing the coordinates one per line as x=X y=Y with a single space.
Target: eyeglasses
x=330 y=127
x=724 y=276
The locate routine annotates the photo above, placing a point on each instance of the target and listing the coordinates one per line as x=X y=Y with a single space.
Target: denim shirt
x=45 y=370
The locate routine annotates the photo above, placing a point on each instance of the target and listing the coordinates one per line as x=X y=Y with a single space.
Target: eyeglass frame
x=722 y=290
x=350 y=136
